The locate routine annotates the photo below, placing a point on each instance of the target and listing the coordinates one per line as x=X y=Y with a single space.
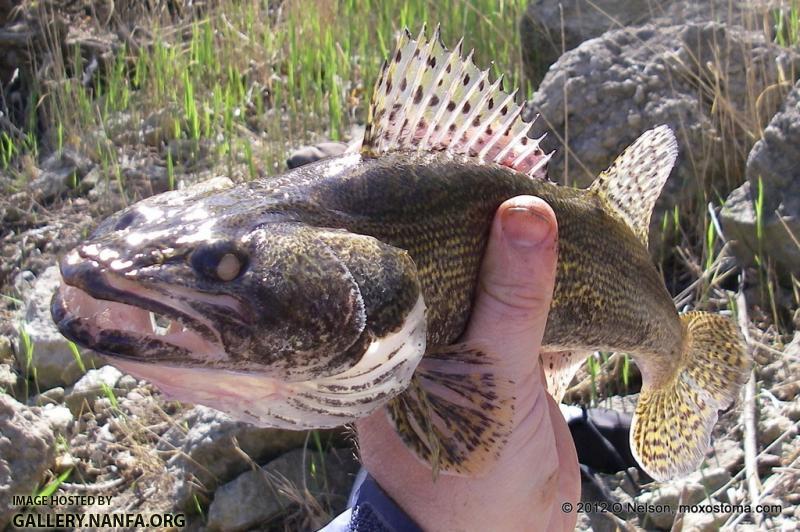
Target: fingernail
x=524 y=228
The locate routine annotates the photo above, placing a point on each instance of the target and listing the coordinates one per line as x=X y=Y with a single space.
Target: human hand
x=537 y=469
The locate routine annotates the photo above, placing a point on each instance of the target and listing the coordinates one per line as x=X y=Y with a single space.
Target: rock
x=91 y=386
x=9 y=380
x=773 y=427
x=61 y=172
x=549 y=28
x=727 y=454
x=158 y=127
x=23 y=282
x=775 y=161
x=604 y=78
x=310 y=154
x=213 y=448
x=546 y=24
x=50 y=355
x=661 y=505
x=6 y=351
x=766 y=463
x=59 y=417
x=90 y=180
x=710 y=479
x=792 y=411
x=772 y=505
x=260 y=496
x=51 y=396
x=127 y=383
x=704 y=521
x=27 y=450
x=596 y=488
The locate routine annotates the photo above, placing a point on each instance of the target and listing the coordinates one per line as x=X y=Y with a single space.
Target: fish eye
x=220 y=261
x=228 y=267
x=126 y=220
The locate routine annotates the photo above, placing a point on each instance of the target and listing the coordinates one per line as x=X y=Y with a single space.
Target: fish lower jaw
x=114 y=328
x=383 y=372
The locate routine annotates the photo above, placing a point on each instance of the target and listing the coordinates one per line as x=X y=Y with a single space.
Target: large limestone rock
x=263 y=495
x=698 y=78
x=209 y=447
x=48 y=353
x=549 y=28
x=27 y=450
x=775 y=162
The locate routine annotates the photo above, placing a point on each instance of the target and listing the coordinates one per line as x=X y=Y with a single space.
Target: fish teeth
x=161 y=326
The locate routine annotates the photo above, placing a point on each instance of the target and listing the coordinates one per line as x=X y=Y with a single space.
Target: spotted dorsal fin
x=430 y=99
x=633 y=182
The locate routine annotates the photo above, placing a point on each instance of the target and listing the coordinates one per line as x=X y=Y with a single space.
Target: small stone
x=59 y=417
x=792 y=411
x=9 y=380
x=64 y=462
x=772 y=428
x=6 y=351
x=135 y=396
x=766 y=463
x=310 y=154
x=127 y=383
x=106 y=434
x=23 y=283
x=727 y=454
x=663 y=504
x=703 y=521
x=771 y=505
x=91 y=386
x=61 y=172
x=639 y=95
x=711 y=479
x=51 y=396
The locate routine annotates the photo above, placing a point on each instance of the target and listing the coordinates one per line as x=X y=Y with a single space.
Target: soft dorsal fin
x=633 y=182
x=430 y=99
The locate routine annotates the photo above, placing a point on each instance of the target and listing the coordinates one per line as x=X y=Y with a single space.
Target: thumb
x=515 y=286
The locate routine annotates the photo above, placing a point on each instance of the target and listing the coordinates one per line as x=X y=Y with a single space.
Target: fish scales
x=314 y=298
x=440 y=210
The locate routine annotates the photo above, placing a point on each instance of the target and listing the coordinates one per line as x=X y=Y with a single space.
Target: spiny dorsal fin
x=633 y=182
x=431 y=99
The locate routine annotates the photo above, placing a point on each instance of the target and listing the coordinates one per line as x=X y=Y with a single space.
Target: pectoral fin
x=457 y=415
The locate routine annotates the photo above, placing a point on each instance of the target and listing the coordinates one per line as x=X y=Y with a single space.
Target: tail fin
x=673 y=421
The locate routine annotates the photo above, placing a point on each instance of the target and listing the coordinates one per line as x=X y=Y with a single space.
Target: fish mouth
x=121 y=318
x=157 y=335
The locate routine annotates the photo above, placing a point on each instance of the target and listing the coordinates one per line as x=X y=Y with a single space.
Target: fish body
x=311 y=299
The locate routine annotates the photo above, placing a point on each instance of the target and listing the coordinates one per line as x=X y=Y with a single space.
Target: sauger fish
x=313 y=298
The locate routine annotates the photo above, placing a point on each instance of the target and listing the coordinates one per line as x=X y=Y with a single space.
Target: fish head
x=185 y=290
